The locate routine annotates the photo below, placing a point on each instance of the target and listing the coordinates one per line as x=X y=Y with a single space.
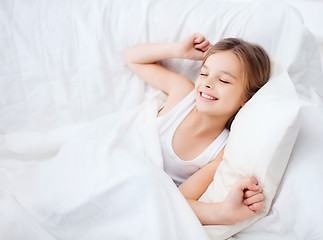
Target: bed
x=67 y=99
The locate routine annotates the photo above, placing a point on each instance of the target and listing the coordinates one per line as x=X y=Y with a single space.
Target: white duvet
x=79 y=154
x=104 y=183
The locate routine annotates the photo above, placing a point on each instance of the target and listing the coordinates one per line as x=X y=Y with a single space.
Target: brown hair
x=254 y=61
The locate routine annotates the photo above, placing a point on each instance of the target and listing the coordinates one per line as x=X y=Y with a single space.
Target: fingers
x=256 y=207
x=198 y=38
x=201 y=43
x=248 y=184
x=250 y=193
x=204 y=46
x=259 y=197
x=255 y=201
x=253 y=184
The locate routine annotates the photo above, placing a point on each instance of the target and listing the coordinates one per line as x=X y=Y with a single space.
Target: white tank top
x=178 y=169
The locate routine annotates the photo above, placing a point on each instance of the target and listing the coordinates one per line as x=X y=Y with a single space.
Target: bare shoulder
x=181 y=89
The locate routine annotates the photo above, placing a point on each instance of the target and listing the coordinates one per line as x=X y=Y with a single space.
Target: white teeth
x=207 y=96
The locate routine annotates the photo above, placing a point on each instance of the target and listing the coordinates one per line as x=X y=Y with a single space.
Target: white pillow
x=260 y=143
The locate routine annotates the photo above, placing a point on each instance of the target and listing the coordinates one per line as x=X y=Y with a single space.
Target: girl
x=232 y=71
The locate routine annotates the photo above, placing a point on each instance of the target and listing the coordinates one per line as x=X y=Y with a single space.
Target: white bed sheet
x=61 y=69
x=102 y=185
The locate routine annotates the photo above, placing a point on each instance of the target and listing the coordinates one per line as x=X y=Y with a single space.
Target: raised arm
x=142 y=60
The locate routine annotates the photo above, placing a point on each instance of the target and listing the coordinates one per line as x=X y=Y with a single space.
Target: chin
x=202 y=108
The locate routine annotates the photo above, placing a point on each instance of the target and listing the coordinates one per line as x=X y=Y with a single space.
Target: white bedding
x=61 y=78
x=102 y=185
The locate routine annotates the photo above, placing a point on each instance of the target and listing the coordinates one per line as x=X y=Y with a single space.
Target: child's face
x=220 y=88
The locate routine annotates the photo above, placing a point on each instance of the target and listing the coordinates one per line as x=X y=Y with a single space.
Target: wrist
x=176 y=50
x=225 y=213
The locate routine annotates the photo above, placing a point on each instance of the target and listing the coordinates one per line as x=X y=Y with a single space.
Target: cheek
x=235 y=98
x=198 y=84
x=241 y=100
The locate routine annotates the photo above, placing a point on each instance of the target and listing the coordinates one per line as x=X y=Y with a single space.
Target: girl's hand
x=194 y=47
x=244 y=200
x=254 y=199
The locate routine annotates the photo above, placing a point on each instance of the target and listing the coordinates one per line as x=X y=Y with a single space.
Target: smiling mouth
x=207 y=97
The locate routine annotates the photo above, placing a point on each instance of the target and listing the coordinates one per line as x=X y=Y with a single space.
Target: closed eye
x=203 y=74
x=226 y=82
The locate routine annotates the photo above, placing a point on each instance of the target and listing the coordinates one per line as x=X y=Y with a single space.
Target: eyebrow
x=224 y=72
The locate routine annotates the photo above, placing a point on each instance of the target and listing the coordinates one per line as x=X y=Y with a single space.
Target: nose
x=207 y=84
